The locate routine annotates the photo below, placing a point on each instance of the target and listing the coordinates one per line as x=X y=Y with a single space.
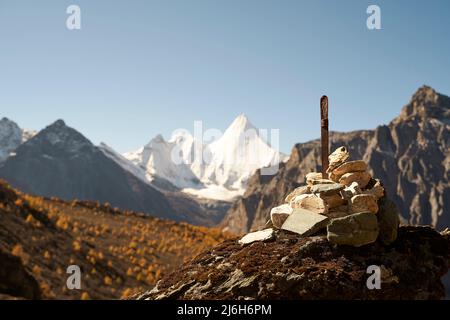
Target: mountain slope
x=118 y=252
x=60 y=162
x=11 y=137
x=410 y=156
x=290 y=267
x=158 y=158
x=219 y=170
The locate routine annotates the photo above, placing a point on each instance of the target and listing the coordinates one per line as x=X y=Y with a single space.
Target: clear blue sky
x=139 y=68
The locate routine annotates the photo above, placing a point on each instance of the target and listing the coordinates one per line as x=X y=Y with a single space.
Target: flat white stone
x=313 y=176
x=310 y=202
x=297 y=191
x=279 y=214
x=305 y=222
x=350 y=166
x=297 y=201
x=262 y=235
x=284 y=208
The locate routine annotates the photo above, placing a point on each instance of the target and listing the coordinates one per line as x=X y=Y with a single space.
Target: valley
x=119 y=252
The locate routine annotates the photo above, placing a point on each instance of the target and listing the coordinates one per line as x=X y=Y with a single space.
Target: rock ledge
x=293 y=267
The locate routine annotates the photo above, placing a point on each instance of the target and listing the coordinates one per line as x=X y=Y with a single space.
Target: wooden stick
x=324 y=134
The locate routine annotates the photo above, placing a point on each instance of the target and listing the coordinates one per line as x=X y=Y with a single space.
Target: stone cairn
x=350 y=205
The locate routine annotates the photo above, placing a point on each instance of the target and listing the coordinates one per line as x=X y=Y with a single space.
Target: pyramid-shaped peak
x=242 y=118
x=58 y=123
x=60 y=135
x=425 y=94
x=427 y=97
x=156 y=141
x=8 y=123
x=158 y=138
x=426 y=103
x=240 y=124
x=59 y=127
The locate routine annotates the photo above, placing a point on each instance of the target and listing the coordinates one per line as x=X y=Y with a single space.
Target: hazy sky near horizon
x=139 y=68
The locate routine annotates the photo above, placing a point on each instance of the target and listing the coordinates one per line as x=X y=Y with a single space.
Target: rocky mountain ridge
x=60 y=162
x=410 y=155
x=11 y=136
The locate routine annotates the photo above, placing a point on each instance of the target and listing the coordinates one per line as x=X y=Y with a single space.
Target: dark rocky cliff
x=410 y=155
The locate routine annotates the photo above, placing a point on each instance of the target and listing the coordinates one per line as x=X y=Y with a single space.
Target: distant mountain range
x=219 y=170
x=410 y=155
x=60 y=162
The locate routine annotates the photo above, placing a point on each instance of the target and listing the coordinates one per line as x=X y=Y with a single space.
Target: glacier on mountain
x=218 y=170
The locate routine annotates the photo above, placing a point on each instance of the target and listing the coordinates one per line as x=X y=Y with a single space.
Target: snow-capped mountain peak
x=157 y=140
x=218 y=170
x=238 y=154
x=166 y=159
x=240 y=124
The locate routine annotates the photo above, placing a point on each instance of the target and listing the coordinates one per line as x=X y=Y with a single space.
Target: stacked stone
x=349 y=204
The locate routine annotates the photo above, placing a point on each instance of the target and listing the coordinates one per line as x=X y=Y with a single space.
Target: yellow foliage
x=47 y=255
x=133 y=245
x=139 y=250
x=107 y=281
x=46 y=291
x=19 y=252
x=76 y=246
x=126 y=293
x=85 y=296
x=36 y=270
x=91 y=260
x=62 y=223
x=142 y=262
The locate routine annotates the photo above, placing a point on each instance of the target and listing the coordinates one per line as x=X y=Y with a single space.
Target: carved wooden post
x=324 y=134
